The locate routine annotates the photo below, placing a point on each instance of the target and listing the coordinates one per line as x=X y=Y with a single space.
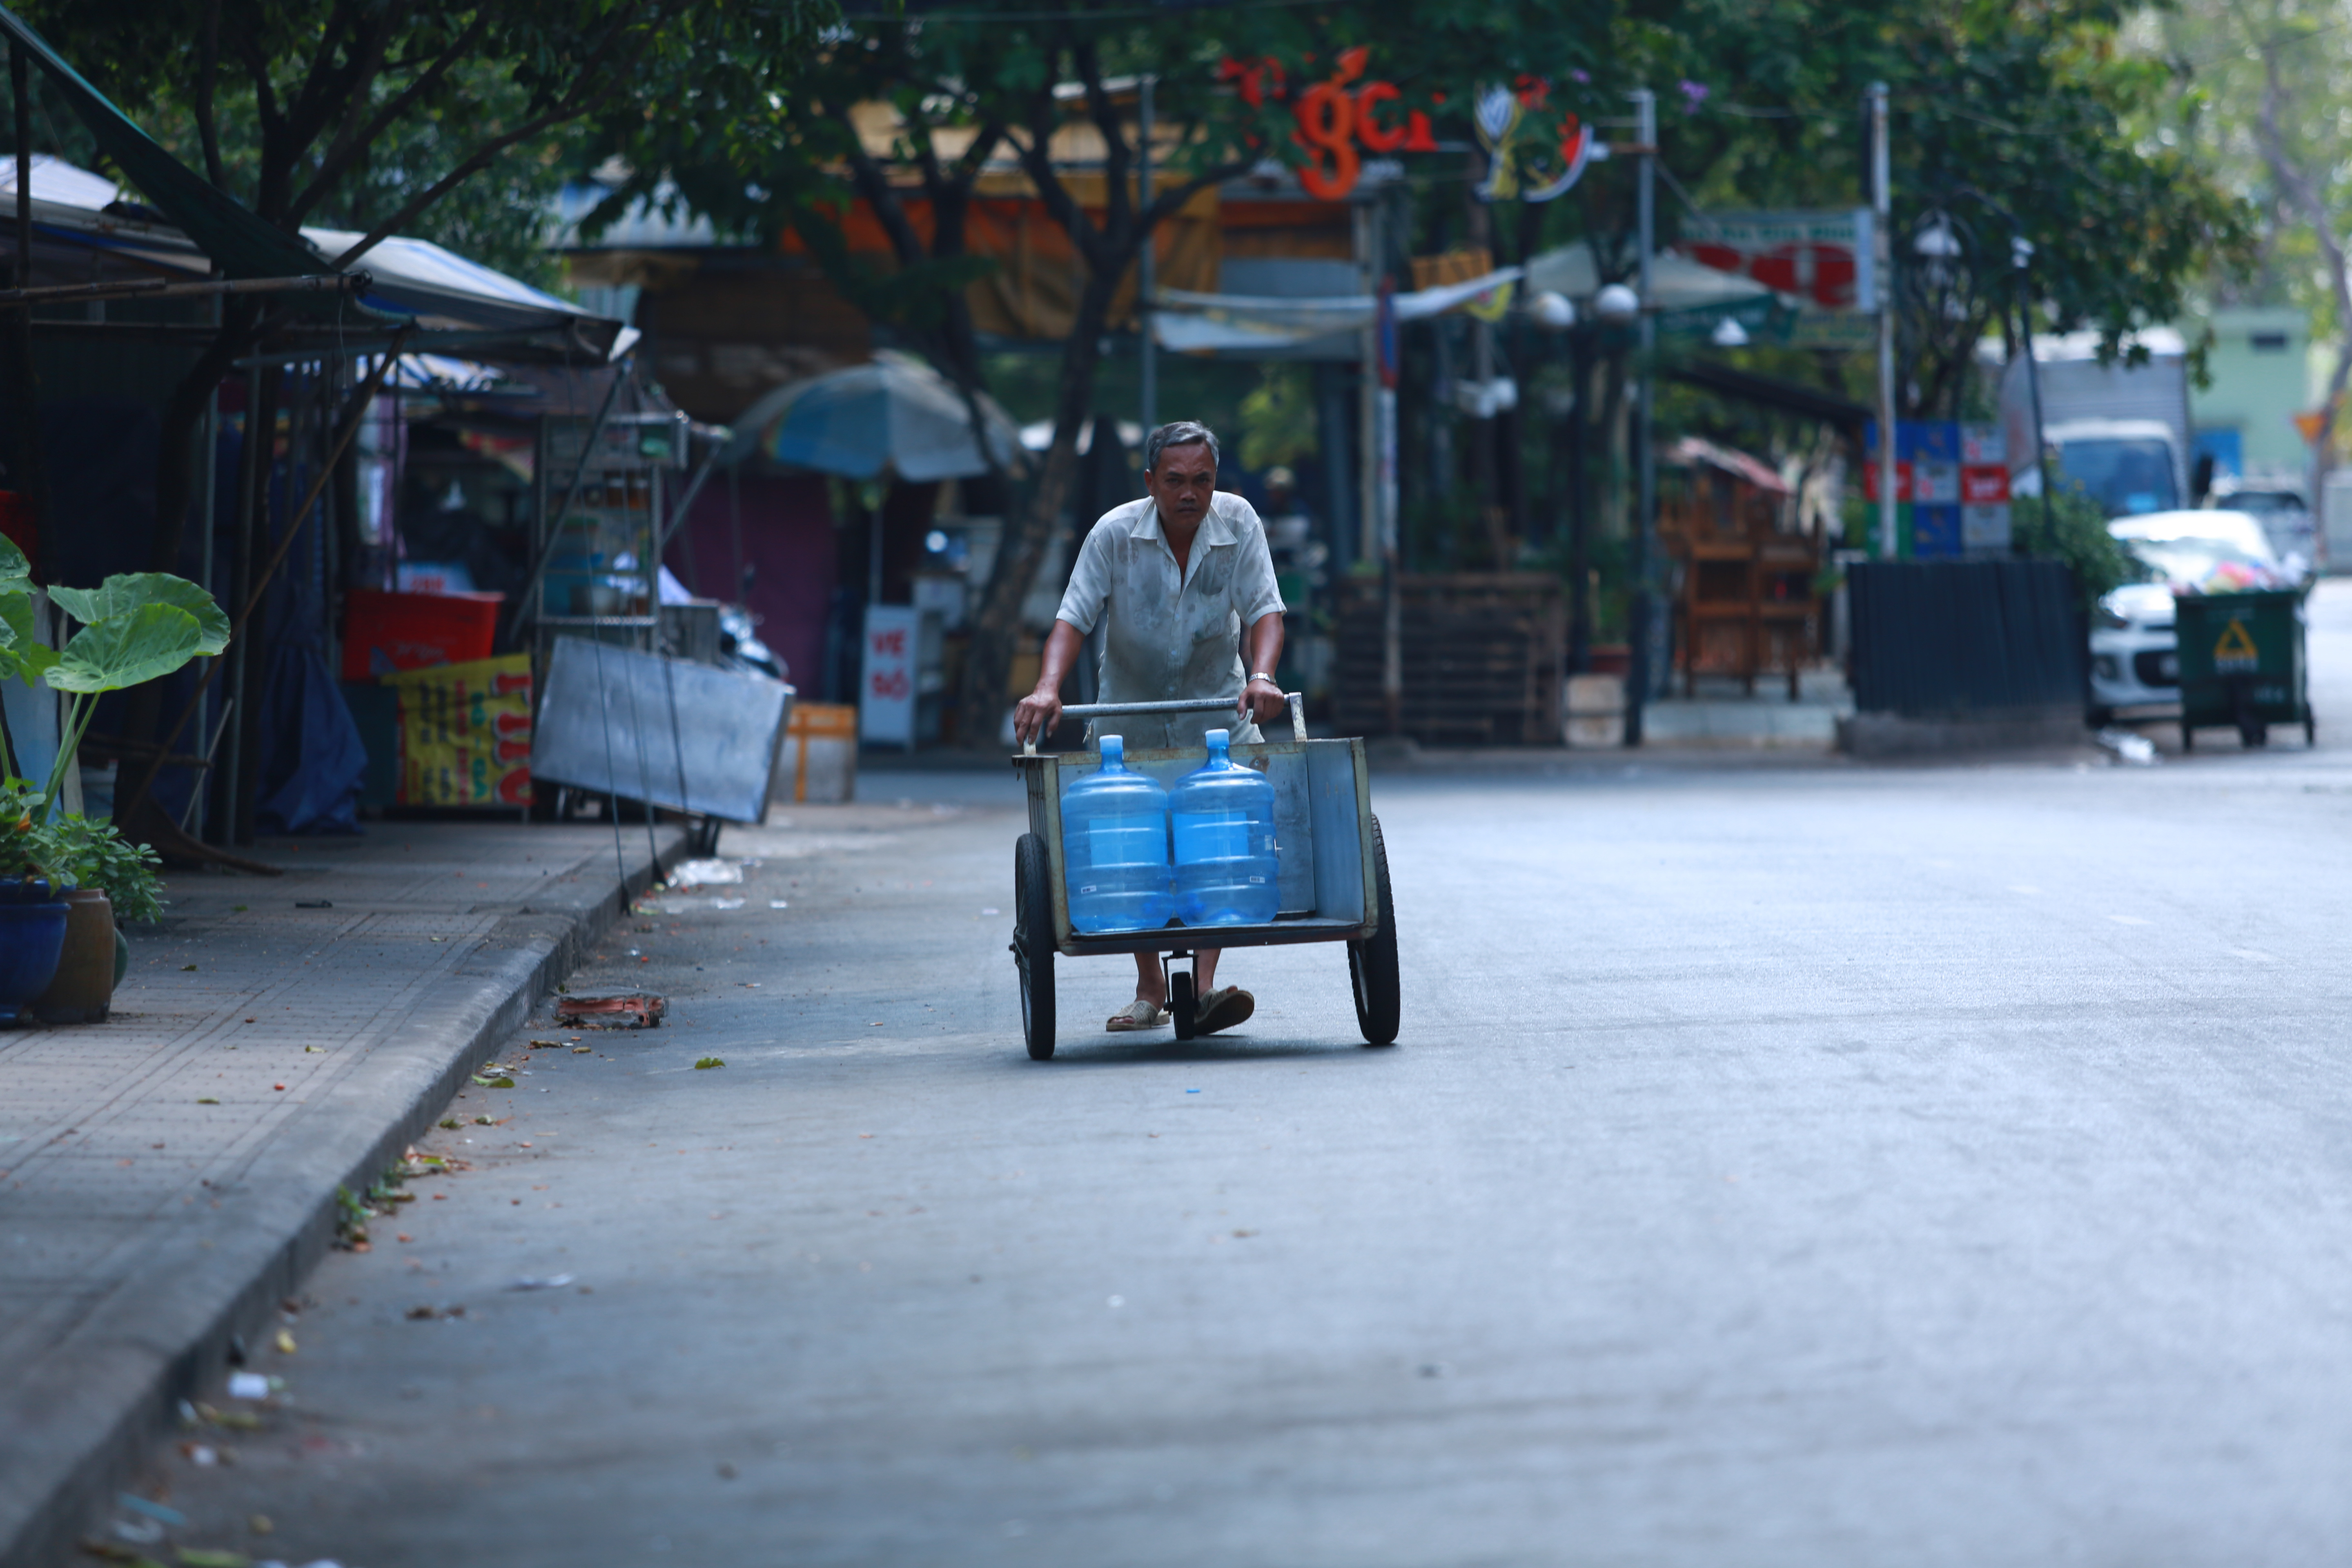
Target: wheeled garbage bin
x=2243 y=664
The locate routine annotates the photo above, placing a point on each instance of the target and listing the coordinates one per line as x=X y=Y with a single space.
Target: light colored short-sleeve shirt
x=1170 y=634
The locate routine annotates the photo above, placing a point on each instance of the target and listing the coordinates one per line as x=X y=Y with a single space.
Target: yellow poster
x=464 y=732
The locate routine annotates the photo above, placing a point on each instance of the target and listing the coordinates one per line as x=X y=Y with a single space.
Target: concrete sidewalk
x=167 y=1176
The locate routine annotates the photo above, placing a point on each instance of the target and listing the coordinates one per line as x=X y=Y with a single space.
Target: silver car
x=2135 y=651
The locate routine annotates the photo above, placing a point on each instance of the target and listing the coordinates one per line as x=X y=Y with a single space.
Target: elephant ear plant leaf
x=135 y=627
x=127 y=649
x=132 y=592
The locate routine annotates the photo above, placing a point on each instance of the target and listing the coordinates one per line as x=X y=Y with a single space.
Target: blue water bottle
x=1114 y=848
x=1226 y=869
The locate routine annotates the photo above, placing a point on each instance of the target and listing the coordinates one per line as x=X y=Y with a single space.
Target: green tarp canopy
x=240 y=244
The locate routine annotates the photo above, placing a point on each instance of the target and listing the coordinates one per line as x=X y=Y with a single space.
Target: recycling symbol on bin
x=2235 y=653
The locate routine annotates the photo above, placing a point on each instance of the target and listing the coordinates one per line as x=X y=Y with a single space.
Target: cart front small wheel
x=1033 y=943
x=1183 y=1007
x=1373 y=962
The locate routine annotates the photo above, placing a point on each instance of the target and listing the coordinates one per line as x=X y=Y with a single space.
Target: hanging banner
x=1825 y=258
x=465 y=732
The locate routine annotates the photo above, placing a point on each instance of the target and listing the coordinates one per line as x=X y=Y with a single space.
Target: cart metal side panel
x=1338 y=816
x=1041 y=775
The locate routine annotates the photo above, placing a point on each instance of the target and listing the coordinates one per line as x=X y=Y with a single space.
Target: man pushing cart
x=1182 y=584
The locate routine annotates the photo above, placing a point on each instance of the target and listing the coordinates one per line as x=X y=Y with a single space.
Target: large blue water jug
x=1226 y=865
x=1114 y=848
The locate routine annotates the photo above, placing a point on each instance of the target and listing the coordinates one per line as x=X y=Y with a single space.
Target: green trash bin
x=2241 y=663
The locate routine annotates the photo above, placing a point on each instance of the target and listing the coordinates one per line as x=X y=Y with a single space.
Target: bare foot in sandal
x=1224 y=1009
x=1140 y=1013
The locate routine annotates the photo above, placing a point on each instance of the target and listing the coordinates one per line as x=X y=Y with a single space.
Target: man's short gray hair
x=1183 y=433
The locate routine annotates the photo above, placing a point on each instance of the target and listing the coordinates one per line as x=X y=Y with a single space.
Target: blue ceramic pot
x=31 y=936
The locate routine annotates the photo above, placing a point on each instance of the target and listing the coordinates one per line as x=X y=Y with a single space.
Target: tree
x=2261 y=95
x=1051 y=93
x=373 y=113
x=2009 y=121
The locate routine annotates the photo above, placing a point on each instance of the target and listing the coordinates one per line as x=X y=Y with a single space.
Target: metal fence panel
x=1935 y=639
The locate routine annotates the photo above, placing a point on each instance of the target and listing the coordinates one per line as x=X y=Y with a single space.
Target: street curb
x=88 y=1420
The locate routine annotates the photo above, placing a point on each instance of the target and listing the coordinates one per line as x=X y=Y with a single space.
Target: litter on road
x=705 y=873
x=628 y=1010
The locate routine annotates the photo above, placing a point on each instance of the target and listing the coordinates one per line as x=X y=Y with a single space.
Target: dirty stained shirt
x=1170 y=634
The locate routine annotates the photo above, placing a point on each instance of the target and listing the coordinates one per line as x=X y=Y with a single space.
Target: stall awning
x=451 y=303
x=243 y=245
x=1247 y=324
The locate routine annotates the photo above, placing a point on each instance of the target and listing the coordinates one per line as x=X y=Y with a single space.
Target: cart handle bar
x=1185 y=705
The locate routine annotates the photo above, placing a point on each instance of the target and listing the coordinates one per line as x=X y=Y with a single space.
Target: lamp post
x=1642 y=621
x=2021 y=257
x=1554 y=314
x=1882 y=204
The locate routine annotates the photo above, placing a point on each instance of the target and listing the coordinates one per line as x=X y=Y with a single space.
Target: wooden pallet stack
x=1482 y=658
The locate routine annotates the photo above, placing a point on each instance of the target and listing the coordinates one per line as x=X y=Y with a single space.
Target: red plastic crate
x=386 y=632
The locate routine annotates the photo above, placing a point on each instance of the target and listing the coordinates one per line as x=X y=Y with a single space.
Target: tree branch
x=1037 y=162
x=326 y=84
x=873 y=184
x=1119 y=212
x=353 y=142
x=575 y=104
x=207 y=68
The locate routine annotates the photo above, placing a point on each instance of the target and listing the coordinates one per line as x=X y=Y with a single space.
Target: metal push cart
x=1334 y=871
x=2242 y=664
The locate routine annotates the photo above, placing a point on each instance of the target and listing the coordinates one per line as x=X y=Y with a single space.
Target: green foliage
x=2010 y=121
x=136 y=628
x=344 y=116
x=71 y=851
x=2076 y=534
x=127 y=649
x=85 y=854
x=1278 y=417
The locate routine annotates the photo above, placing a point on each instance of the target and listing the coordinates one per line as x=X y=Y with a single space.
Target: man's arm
x=1262 y=700
x=1042 y=709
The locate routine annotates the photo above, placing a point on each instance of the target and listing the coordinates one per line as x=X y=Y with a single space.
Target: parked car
x=2135 y=651
x=2281 y=510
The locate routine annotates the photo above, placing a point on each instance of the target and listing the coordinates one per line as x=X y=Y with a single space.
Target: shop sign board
x=1535 y=153
x=886 y=687
x=1826 y=259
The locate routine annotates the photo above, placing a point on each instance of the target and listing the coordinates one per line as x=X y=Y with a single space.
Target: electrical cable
x=612 y=775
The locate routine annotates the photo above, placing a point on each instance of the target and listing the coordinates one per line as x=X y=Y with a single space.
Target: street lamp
x=1616 y=304
x=1552 y=311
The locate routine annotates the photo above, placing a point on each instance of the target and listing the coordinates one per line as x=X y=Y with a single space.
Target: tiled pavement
x=166 y=1175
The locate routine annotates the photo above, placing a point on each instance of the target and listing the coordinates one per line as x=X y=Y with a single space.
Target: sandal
x=1223 y=1009
x=1137 y=1014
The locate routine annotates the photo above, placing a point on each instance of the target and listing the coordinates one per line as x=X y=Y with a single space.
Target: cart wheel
x=1183 y=1005
x=1372 y=965
x=2188 y=738
x=1033 y=944
x=2251 y=734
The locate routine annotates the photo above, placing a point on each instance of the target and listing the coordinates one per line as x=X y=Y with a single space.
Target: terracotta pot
x=84 y=986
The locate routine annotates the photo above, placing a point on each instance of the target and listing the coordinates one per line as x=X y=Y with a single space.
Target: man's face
x=1183 y=483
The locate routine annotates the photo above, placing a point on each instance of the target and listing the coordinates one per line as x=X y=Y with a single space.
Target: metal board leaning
x=687 y=736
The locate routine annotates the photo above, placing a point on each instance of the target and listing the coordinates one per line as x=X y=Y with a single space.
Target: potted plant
x=135 y=627
x=32 y=923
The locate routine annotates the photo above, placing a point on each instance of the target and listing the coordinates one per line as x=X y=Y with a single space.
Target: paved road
x=1779 y=1165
